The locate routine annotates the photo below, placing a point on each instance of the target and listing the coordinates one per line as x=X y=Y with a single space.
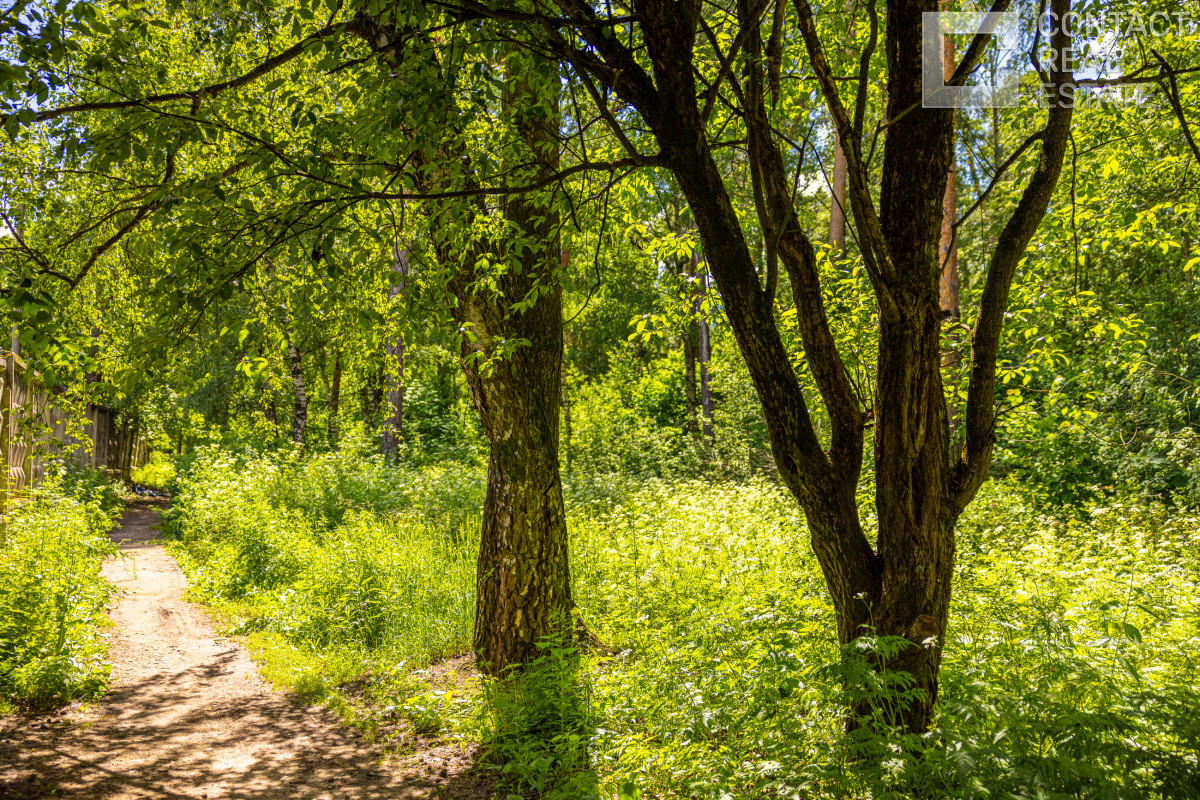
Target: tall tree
x=393 y=426
x=507 y=302
x=299 y=392
x=523 y=578
x=923 y=480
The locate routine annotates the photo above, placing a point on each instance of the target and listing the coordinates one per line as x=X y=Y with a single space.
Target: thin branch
x=876 y=255
x=974 y=52
x=1008 y=162
x=1176 y=104
x=195 y=95
x=748 y=25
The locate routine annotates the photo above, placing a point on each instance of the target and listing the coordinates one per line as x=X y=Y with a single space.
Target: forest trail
x=187 y=715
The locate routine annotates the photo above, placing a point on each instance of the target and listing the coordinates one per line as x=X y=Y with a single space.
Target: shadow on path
x=188 y=717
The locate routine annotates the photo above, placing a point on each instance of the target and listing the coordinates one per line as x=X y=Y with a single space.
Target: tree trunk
x=524 y=582
x=948 y=251
x=335 y=396
x=837 y=200
x=371 y=397
x=704 y=355
x=512 y=349
x=566 y=392
x=393 y=428
x=904 y=588
x=837 y=187
x=948 y=244
x=131 y=434
x=703 y=351
x=300 y=402
x=691 y=337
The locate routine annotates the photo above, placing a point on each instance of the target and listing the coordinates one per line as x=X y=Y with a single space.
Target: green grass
x=383 y=572
x=1070 y=671
x=52 y=596
x=1073 y=652
x=157 y=473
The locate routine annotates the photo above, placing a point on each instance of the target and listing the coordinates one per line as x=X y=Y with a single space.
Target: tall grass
x=157 y=473
x=334 y=553
x=1070 y=668
x=52 y=596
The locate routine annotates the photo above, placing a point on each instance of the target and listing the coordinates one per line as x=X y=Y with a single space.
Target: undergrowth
x=1070 y=669
x=345 y=575
x=157 y=473
x=52 y=596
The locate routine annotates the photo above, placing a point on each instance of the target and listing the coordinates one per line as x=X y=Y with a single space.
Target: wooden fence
x=36 y=429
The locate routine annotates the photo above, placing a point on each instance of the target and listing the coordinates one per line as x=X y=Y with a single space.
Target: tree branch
x=979 y=419
x=876 y=254
x=208 y=91
x=781 y=226
x=1172 y=92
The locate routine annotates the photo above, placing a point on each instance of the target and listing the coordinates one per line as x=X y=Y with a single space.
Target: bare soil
x=187 y=715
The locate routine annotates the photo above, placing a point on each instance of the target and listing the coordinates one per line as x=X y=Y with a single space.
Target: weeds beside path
x=187 y=715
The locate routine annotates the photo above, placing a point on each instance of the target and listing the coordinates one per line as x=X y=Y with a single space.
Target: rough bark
x=523 y=579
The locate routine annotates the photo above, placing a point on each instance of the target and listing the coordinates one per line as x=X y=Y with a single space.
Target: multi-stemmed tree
x=478 y=115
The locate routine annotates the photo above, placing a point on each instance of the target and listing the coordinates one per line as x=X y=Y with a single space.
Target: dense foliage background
x=260 y=282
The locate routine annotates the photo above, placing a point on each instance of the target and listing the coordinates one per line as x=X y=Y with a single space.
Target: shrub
x=157 y=473
x=538 y=723
x=90 y=485
x=328 y=552
x=52 y=596
x=1069 y=669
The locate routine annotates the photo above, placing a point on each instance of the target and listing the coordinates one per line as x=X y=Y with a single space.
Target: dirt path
x=187 y=715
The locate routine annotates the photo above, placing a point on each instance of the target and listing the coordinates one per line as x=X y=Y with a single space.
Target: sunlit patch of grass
x=1070 y=667
x=392 y=581
x=1070 y=671
x=309 y=673
x=157 y=473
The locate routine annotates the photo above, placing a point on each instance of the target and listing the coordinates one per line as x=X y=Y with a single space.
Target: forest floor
x=187 y=715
